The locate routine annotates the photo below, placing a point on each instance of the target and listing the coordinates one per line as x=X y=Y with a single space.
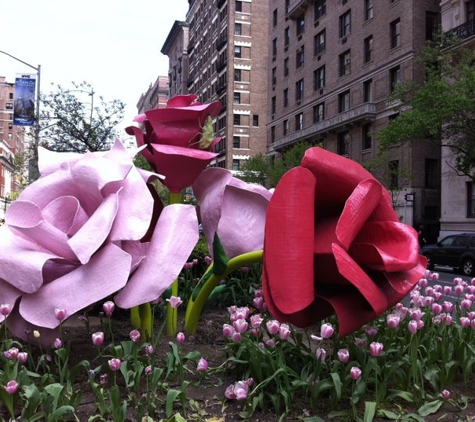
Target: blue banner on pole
x=24 y=100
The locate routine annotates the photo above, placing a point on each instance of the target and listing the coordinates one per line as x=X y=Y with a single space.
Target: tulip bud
x=175 y=301
x=11 y=387
x=134 y=335
x=355 y=373
x=326 y=330
x=22 y=357
x=97 y=338
x=180 y=338
x=5 y=309
x=114 y=364
x=57 y=344
x=108 y=307
x=273 y=326
x=202 y=365
x=376 y=348
x=59 y=314
x=343 y=355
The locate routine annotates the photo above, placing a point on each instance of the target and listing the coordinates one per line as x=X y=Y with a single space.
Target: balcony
x=297 y=7
x=366 y=112
x=221 y=88
x=464 y=31
x=221 y=41
x=221 y=64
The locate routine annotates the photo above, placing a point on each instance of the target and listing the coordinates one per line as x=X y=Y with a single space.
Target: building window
x=10 y=95
x=301 y=25
x=273 y=104
x=470 y=5
x=9 y=106
x=343 y=142
x=285 y=127
x=10 y=116
x=237 y=98
x=274 y=47
x=272 y=134
x=237 y=51
x=299 y=90
x=286 y=97
x=236 y=142
x=366 y=136
x=237 y=75
x=432 y=177
x=236 y=164
x=368 y=9
x=345 y=60
x=237 y=119
x=368 y=49
x=368 y=91
x=432 y=25
x=470 y=200
x=274 y=76
x=237 y=29
x=299 y=121
x=10 y=126
x=286 y=66
x=300 y=57
x=344 y=101
x=345 y=24
x=238 y=6
x=395 y=30
x=394 y=77
x=319 y=78
x=318 y=113
x=286 y=36
x=319 y=42
x=320 y=8
x=393 y=174
x=274 y=18
x=255 y=120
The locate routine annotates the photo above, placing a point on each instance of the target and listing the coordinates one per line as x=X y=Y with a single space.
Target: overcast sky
x=112 y=44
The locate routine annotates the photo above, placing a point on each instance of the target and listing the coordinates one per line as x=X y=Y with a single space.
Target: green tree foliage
x=76 y=119
x=441 y=109
x=268 y=171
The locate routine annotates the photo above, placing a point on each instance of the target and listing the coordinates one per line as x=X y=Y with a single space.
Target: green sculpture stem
x=172 y=313
x=195 y=306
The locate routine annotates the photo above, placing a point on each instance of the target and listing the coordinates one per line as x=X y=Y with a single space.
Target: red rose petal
x=289 y=242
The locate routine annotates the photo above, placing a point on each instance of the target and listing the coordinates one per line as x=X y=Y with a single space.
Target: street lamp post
x=37 y=125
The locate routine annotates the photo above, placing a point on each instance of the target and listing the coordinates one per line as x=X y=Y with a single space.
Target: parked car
x=456 y=251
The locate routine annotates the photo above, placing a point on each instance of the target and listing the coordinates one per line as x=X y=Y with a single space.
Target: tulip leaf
x=219 y=256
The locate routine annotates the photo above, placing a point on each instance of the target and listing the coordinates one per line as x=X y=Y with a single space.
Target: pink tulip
x=180 y=338
x=97 y=338
x=22 y=357
x=370 y=330
x=11 y=387
x=270 y=343
x=360 y=342
x=258 y=303
x=436 y=308
x=355 y=373
x=148 y=369
x=114 y=364
x=57 y=344
x=174 y=301
x=321 y=353
x=464 y=322
x=471 y=315
x=458 y=289
x=108 y=307
x=59 y=314
x=134 y=335
x=256 y=320
x=447 y=290
x=445 y=394
x=148 y=349
x=393 y=320
x=273 y=326
x=412 y=326
x=326 y=330
x=202 y=365
x=447 y=306
x=228 y=330
x=5 y=309
x=466 y=304
x=343 y=355
x=240 y=325
x=284 y=331
x=423 y=282
x=376 y=348
x=236 y=337
x=13 y=352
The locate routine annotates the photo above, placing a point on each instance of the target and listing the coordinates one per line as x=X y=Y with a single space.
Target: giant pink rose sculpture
x=334 y=244
x=233 y=209
x=76 y=236
x=176 y=145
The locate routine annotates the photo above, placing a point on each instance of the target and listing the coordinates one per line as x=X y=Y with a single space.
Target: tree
x=74 y=120
x=441 y=109
x=267 y=171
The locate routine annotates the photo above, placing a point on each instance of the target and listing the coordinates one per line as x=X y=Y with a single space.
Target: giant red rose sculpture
x=178 y=138
x=334 y=244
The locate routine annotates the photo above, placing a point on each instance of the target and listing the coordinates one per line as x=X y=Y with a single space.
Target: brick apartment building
x=176 y=48
x=12 y=140
x=227 y=54
x=332 y=66
x=155 y=97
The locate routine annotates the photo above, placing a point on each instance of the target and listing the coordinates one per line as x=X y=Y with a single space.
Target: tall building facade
x=332 y=67
x=155 y=97
x=12 y=141
x=458 y=192
x=176 y=48
x=228 y=56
